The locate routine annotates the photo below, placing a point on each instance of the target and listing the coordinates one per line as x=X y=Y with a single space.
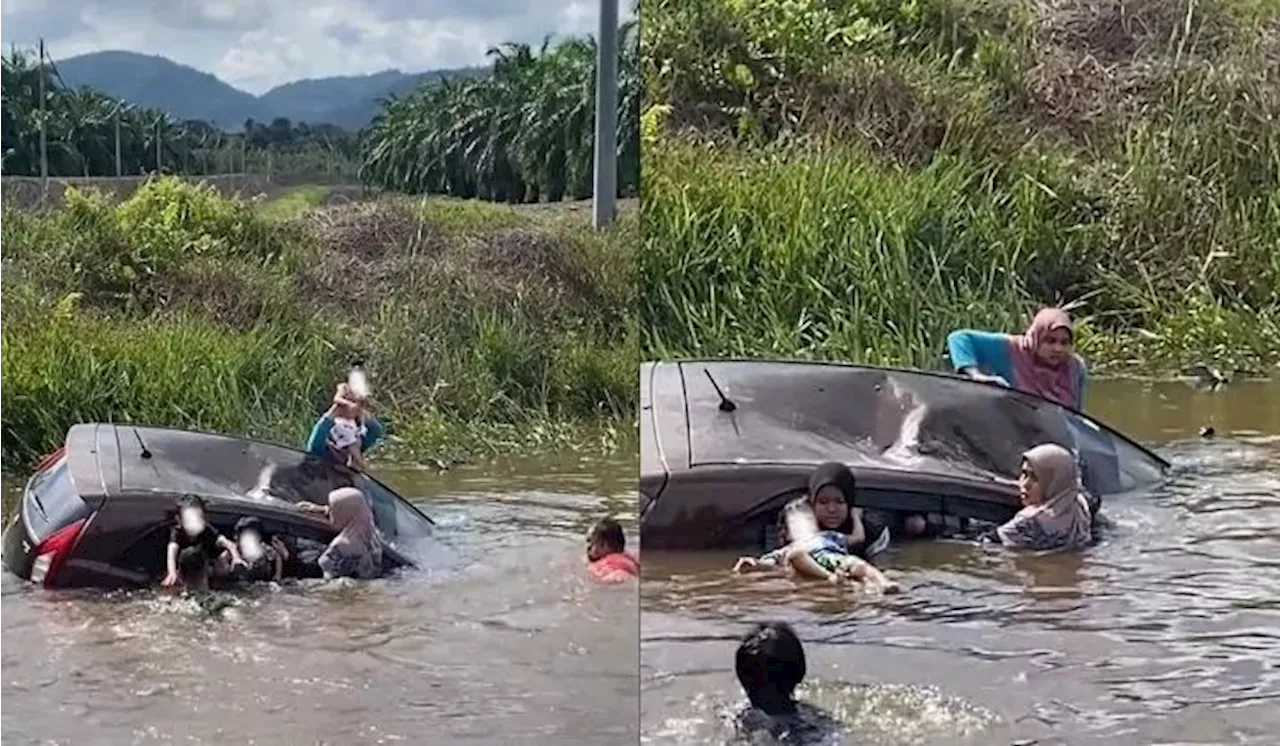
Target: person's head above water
x=1051 y=336
x=605 y=538
x=348 y=509
x=191 y=514
x=193 y=569
x=250 y=537
x=831 y=494
x=770 y=665
x=1056 y=513
x=1043 y=359
x=1049 y=475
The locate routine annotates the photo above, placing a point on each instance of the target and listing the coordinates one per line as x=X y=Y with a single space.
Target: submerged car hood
x=898 y=429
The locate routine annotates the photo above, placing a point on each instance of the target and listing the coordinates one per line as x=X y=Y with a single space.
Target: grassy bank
x=486 y=328
x=853 y=180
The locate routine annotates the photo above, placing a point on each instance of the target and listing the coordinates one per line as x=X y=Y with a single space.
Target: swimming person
x=770 y=664
x=1056 y=514
x=1040 y=361
x=346 y=425
x=607 y=557
x=356 y=552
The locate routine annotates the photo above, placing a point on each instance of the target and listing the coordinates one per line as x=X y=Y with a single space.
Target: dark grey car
x=725 y=443
x=97 y=512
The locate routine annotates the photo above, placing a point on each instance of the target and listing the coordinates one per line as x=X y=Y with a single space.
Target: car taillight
x=52 y=552
x=49 y=459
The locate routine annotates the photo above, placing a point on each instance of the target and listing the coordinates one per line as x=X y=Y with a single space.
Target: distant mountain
x=349 y=101
x=187 y=93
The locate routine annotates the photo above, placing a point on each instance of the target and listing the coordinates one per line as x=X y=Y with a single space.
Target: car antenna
x=726 y=404
x=145 y=453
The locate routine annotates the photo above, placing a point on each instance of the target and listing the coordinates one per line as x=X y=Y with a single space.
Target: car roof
x=107 y=460
x=904 y=426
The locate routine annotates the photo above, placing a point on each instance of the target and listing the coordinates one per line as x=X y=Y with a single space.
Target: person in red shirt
x=607 y=558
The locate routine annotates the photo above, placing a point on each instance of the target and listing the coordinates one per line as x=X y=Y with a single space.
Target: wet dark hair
x=191 y=501
x=608 y=533
x=192 y=564
x=770 y=665
x=840 y=476
x=250 y=523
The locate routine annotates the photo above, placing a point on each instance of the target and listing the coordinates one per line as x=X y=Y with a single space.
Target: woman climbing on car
x=346 y=426
x=1040 y=361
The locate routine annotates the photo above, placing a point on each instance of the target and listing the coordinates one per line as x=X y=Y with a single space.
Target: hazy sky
x=257 y=44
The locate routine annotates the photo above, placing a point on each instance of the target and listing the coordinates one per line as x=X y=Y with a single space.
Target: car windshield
x=52 y=501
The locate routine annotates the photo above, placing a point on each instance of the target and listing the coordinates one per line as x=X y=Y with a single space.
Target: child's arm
x=279 y=568
x=232 y=549
x=171 y=563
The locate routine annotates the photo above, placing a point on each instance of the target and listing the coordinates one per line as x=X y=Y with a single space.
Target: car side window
x=147 y=554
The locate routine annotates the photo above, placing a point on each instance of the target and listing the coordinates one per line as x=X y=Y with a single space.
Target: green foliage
x=523 y=134
x=113 y=253
x=485 y=327
x=81 y=127
x=855 y=179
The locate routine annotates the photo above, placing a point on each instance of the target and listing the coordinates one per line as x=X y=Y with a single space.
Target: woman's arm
x=984 y=353
x=320 y=433
x=373 y=433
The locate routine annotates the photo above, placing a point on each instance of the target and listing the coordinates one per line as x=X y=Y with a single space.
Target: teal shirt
x=317 y=443
x=989 y=353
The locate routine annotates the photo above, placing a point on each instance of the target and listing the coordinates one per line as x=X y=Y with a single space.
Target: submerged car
x=724 y=444
x=98 y=510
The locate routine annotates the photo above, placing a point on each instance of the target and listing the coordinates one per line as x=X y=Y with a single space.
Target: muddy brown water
x=1167 y=632
x=500 y=640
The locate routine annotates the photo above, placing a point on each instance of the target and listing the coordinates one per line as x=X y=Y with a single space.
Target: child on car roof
x=190 y=530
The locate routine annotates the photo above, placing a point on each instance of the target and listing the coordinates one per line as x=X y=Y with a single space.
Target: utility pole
x=119 y=171
x=158 y=119
x=605 y=191
x=44 y=141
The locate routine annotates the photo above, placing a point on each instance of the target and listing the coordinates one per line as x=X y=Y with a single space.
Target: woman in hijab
x=1038 y=361
x=356 y=552
x=831 y=497
x=1056 y=514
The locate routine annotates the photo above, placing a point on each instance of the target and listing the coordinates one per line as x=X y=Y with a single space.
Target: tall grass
x=486 y=328
x=855 y=180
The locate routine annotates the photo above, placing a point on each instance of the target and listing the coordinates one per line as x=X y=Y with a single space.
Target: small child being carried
x=819 y=554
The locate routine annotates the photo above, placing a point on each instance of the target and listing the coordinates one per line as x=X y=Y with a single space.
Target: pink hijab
x=1031 y=374
x=1063 y=520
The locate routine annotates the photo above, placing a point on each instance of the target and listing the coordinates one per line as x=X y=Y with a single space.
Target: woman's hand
x=310 y=507
x=745 y=563
x=170 y=579
x=978 y=375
